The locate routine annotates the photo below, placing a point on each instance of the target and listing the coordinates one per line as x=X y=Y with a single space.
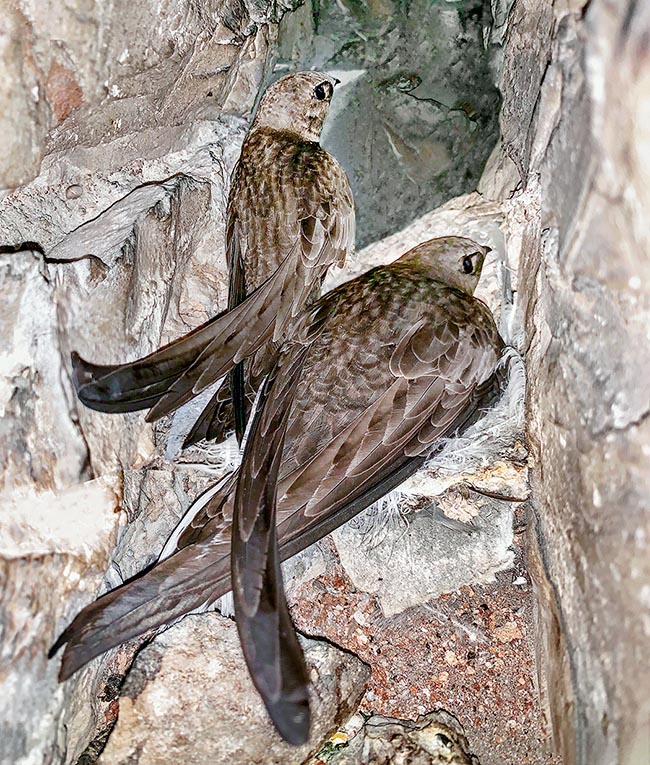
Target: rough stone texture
x=415 y=118
x=118 y=130
x=467 y=651
x=53 y=554
x=575 y=82
x=111 y=236
x=78 y=76
x=433 y=739
x=188 y=698
x=406 y=559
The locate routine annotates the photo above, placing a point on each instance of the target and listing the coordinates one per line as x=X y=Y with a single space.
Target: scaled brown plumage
x=290 y=217
x=373 y=375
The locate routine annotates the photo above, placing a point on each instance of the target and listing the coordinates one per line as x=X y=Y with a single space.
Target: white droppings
x=644 y=595
x=597 y=498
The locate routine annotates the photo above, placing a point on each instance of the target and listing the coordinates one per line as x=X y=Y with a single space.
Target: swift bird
x=290 y=217
x=375 y=372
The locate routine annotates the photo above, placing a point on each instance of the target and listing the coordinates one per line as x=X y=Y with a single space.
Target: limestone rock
x=144 y=69
x=55 y=548
x=575 y=83
x=433 y=739
x=123 y=126
x=189 y=698
x=409 y=558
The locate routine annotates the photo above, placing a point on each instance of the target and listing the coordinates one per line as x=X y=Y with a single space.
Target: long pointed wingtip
x=70 y=664
x=80 y=374
x=292 y=719
x=57 y=645
x=67 y=668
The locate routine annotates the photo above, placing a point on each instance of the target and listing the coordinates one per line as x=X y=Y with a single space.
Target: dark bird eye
x=468 y=266
x=323 y=91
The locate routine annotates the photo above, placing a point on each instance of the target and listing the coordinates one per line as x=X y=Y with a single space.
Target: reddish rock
x=62 y=91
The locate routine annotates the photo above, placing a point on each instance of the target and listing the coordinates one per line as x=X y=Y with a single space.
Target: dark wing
x=191 y=578
x=180 y=370
x=436 y=377
x=323 y=236
x=217 y=419
x=429 y=385
x=269 y=640
x=343 y=475
x=353 y=411
x=139 y=384
x=236 y=295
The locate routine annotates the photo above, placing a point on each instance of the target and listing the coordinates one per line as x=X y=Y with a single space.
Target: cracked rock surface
x=188 y=698
x=575 y=84
x=119 y=128
x=118 y=133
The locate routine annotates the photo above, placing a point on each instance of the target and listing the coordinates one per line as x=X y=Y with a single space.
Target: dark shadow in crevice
x=10 y=249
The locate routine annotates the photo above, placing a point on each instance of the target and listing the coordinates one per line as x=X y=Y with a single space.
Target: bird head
x=298 y=103
x=455 y=260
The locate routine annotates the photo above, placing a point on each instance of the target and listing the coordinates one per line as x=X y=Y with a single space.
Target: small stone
x=360 y=618
x=509 y=632
x=73 y=192
x=451 y=658
x=360 y=637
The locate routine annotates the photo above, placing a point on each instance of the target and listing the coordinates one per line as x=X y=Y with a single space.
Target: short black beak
x=337 y=81
x=487 y=249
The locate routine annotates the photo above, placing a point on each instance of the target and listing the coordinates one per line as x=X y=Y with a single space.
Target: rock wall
x=417 y=117
x=575 y=84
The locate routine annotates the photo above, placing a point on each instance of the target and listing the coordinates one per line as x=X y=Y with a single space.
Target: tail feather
x=188 y=580
x=124 y=395
x=142 y=383
x=176 y=373
x=217 y=420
